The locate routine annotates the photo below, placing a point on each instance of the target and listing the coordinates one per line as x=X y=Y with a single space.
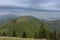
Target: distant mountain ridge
x=7 y=18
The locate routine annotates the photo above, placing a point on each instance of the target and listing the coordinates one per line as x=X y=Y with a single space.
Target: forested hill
x=28 y=24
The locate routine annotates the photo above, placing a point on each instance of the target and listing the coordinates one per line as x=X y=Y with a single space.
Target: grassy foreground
x=16 y=38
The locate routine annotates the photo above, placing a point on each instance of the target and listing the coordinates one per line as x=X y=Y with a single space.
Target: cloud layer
x=31 y=7
x=38 y=4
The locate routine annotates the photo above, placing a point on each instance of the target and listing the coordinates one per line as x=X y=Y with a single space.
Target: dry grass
x=15 y=38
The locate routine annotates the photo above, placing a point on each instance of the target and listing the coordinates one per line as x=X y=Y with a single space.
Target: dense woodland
x=42 y=33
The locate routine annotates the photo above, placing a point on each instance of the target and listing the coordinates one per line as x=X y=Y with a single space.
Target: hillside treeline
x=42 y=33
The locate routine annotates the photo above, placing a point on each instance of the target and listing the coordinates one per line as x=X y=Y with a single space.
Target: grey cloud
x=38 y=8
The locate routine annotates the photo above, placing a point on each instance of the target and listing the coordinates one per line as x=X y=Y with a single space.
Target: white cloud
x=20 y=3
x=50 y=6
x=38 y=4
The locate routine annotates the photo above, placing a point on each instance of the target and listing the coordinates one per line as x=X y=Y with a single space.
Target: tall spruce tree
x=14 y=34
x=36 y=36
x=55 y=35
x=58 y=35
x=3 y=34
x=24 y=35
x=52 y=36
x=43 y=31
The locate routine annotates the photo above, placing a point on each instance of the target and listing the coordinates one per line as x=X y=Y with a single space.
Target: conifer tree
x=36 y=36
x=43 y=31
x=58 y=35
x=24 y=35
x=14 y=34
x=3 y=34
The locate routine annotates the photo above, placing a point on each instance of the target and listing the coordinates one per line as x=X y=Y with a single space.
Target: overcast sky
x=51 y=5
x=40 y=4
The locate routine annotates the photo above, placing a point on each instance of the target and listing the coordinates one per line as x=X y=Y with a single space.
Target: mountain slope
x=28 y=24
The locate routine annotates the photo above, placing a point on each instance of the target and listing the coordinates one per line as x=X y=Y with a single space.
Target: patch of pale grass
x=16 y=38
